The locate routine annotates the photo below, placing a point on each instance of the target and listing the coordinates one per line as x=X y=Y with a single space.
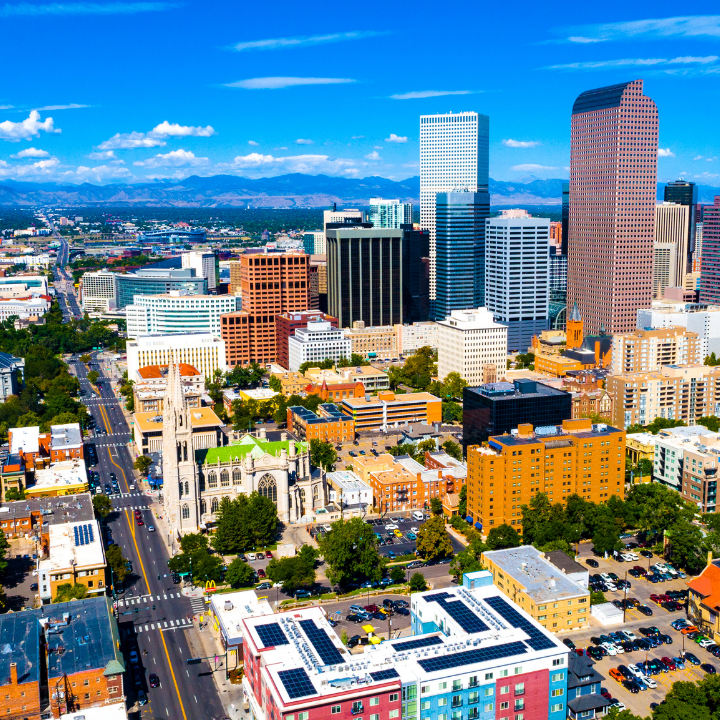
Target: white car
x=327 y=528
x=606 y=577
x=629 y=635
x=611 y=586
x=250 y=556
x=617 y=704
x=630 y=556
x=609 y=648
x=635 y=670
x=414 y=530
x=706 y=643
x=649 y=681
x=391 y=526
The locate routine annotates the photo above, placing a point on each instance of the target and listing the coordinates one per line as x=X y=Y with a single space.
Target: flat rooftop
x=554 y=434
x=232 y=608
x=60 y=474
x=25 y=439
x=76 y=544
x=20 y=644
x=65 y=437
x=502 y=391
x=199 y=417
x=55 y=510
x=389 y=399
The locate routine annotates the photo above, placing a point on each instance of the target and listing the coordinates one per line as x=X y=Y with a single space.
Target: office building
x=613 y=186
x=500 y=407
x=697 y=253
x=285 y=326
x=410 y=338
x=97 y=291
x=178 y=312
x=18 y=285
x=670 y=247
x=391 y=214
x=269 y=285
x=314 y=242
x=24 y=308
x=710 y=265
x=517 y=276
x=472 y=344
x=373 y=342
x=173 y=235
x=12 y=375
x=555 y=597
x=646 y=350
x=206 y=264
x=459 y=250
x=454 y=153
x=318 y=341
x=372 y=379
x=470 y=648
x=702 y=320
x=415 y=275
x=150 y=385
x=365 y=276
x=675 y=392
x=160 y=281
x=575 y=457
x=341 y=216
x=565 y=235
x=201 y=350
x=328 y=424
x=387 y=410
x=682 y=192
x=558 y=287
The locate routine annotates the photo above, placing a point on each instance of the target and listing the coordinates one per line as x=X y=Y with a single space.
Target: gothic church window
x=267 y=487
x=212 y=479
x=236 y=476
x=214 y=505
x=224 y=478
x=185 y=512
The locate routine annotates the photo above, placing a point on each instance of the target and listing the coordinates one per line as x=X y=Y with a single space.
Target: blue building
x=157 y=281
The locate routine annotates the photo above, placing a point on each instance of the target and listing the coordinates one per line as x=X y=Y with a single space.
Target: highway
x=64 y=286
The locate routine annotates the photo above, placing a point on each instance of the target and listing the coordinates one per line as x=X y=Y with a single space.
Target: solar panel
x=297 y=683
x=384 y=674
x=538 y=640
x=271 y=635
x=459 y=612
x=320 y=640
x=470 y=657
x=419 y=643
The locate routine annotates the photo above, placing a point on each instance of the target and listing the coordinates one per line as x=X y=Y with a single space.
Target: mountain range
x=283 y=191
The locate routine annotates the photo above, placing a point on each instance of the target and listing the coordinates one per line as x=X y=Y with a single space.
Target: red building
x=710 y=267
x=287 y=323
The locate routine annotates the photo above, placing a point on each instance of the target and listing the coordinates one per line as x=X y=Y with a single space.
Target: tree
x=239 y=574
x=344 y=637
x=85 y=358
x=686 y=545
x=193 y=543
x=102 y=506
x=453 y=449
x=606 y=537
x=462 y=506
x=711 y=422
x=433 y=541
x=249 y=521
x=454 y=385
x=14 y=494
x=117 y=562
x=93 y=376
x=322 y=454
x=350 y=551
x=436 y=507
x=503 y=536
x=417 y=583
x=294 y=572
x=597 y=598
x=143 y=464
x=452 y=412
x=397 y=574
x=67 y=592
x=712 y=360
x=275 y=384
x=4 y=547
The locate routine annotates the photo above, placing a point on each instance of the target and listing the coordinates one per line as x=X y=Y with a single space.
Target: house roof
x=564 y=562
x=707 y=585
x=159 y=372
x=588 y=702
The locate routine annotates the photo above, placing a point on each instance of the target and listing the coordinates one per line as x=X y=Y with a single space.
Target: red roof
x=158 y=372
x=708 y=586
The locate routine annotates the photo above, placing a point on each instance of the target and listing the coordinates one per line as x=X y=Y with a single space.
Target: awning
x=478 y=525
x=368 y=628
x=469 y=519
x=374 y=640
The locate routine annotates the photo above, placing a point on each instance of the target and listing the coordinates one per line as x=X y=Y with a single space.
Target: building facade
x=387 y=410
x=683 y=192
x=390 y=213
x=12 y=375
x=613 y=186
x=287 y=323
x=205 y=264
x=710 y=264
x=647 y=350
x=329 y=424
x=700 y=319
x=410 y=338
x=373 y=342
x=97 y=291
x=318 y=341
x=151 y=281
x=670 y=249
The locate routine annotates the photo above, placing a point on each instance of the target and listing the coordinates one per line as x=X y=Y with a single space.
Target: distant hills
x=284 y=191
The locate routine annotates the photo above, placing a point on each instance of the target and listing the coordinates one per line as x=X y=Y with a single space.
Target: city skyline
x=196 y=92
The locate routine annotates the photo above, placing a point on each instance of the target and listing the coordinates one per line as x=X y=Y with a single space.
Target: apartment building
x=372 y=379
x=577 y=457
x=675 y=392
x=701 y=319
x=647 y=350
x=34 y=516
x=287 y=323
x=388 y=410
x=328 y=424
x=97 y=291
x=373 y=342
x=151 y=383
x=317 y=342
x=410 y=338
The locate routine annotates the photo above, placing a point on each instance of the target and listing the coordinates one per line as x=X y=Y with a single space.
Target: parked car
x=615 y=674
x=689 y=657
x=592 y=563
x=708 y=668
x=153 y=680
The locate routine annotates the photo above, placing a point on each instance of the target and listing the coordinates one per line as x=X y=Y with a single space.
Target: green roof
x=248 y=445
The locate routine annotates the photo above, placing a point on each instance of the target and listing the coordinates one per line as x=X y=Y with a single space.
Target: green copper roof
x=248 y=445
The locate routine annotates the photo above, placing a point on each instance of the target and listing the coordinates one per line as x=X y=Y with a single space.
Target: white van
x=418 y=515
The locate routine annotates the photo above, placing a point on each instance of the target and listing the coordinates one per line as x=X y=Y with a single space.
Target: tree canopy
x=247 y=522
x=294 y=572
x=350 y=552
x=322 y=454
x=433 y=540
x=418 y=370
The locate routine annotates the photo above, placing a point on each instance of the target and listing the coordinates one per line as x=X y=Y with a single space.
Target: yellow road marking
x=132 y=532
x=172 y=672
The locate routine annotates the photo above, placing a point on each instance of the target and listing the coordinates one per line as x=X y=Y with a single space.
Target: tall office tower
x=670 y=247
x=565 y=217
x=205 y=264
x=697 y=253
x=459 y=251
x=390 y=213
x=415 y=275
x=365 y=275
x=270 y=285
x=613 y=185
x=341 y=216
x=558 y=289
x=685 y=193
x=710 y=267
x=517 y=276
x=454 y=155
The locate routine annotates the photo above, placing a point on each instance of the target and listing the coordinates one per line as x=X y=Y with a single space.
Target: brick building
x=287 y=323
x=328 y=424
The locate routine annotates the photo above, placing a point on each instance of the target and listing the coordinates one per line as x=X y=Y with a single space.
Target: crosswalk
x=144 y=599
x=197 y=605
x=165 y=625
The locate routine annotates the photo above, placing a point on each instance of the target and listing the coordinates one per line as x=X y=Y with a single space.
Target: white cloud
x=581 y=39
x=126 y=141
x=377 y=147
x=665 y=152
x=374 y=156
x=41 y=170
x=634 y=62
x=174 y=158
x=166 y=129
x=698 y=157
x=707 y=175
x=102 y=173
x=648 y=29
x=281 y=148
x=531 y=167
x=304 y=141
x=107 y=155
x=253 y=143
x=71 y=106
x=274 y=83
x=520 y=143
x=420 y=94
x=357 y=137
x=24 y=130
x=31 y=153
x=307 y=41
x=396 y=138
x=260 y=165
x=82 y=8
x=6 y=107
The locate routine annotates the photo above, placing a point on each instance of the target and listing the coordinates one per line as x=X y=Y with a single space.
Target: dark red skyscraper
x=710 y=268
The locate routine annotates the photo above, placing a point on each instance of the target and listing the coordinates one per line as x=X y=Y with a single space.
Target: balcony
x=357 y=709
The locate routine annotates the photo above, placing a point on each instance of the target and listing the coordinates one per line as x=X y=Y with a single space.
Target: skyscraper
x=565 y=218
x=454 y=155
x=710 y=268
x=390 y=213
x=670 y=247
x=415 y=275
x=460 y=251
x=613 y=176
x=682 y=192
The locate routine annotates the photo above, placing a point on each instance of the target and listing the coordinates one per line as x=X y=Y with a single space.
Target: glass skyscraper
x=157 y=282
x=682 y=192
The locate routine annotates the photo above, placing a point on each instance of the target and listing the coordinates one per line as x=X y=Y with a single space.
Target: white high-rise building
x=204 y=265
x=319 y=341
x=703 y=320
x=390 y=213
x=670 y=247
x=98 y=291
x=341 y=216
x=517 y=275
x=472 y=344
x=454 y=155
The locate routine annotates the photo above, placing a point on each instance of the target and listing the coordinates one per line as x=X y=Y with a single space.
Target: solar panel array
x=297 y=683
x=384 y=675
x=470 y=657
x=459 y=612
x=271 y=635
x=84 y=534
x=320 y=640
x=419 y=643
x=538 y=640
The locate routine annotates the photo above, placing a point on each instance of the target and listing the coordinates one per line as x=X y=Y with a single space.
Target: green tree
x=263 y=519
x=433 y=541
x=4 y=547
x=85 y=358
x=275 y=384
x=350 y=552
x=143 y=464
x=294 y=572
x=462 y=506
x=102 y=506
x=322 y=454
x=67 y=592
x=597 y=598
x=397 y=574
x=117 y=562
x=454 y=385
x=711 y=422
x=453 y=449
x=233 y=533
x=436 y=507
x=344 y=637
x=606 y=536
x=215 y=385
x=503 y=536
x=452 y=412
x=417 y=582
x=93 y=376
x=712 y=360
x=239 y=574
x=193 y=543
x=14 y=494
x=685 y=545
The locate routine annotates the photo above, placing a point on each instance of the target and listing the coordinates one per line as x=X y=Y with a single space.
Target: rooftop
x=248 y=445
x=159 y=372
x=202 y=417
x=559 y=434
x=10 y=362
x=501 y=391
x=26 y=439
x=20 y=644
x=232 y=608
x=564 y=562
x=346 y=480
x=66 y=436
x=55 y=510
x=59 y=475
x=419 y=430
x=76 y=544
x=387 y=398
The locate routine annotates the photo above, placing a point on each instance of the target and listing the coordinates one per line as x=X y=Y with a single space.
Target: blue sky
x=130 y=90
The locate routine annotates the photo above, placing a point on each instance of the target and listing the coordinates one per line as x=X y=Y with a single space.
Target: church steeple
x=574 y=329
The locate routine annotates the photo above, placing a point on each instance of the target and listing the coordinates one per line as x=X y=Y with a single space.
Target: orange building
x=390 y=410
x=270 y=284
x=577 y=457
x=589 y=396
x=328 y=425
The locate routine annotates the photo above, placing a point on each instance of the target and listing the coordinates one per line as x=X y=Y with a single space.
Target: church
x=196 y=481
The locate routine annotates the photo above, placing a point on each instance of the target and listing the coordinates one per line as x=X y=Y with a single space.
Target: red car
x=372 y=608
x=605 y=693
x=140 y=521
x=668 y=662
x=138 y=514
x=641 y=570
x=656 y=598
x=579 y=651
x=261 y=573
x=268 y=555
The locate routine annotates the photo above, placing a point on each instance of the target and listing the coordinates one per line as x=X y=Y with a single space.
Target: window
x=558 y=661
x=488 y=676
x=557 y=677
x=519 y=716
x=425 y=705
x=457 y=701
x=374 y=701
x=424 y=689
x=303 y=716
x=505 y=689
x=473 y=698
x=442 y=702
x=185 y=512
x=335 y=709
x=457 y=685
x=557 y=693
x=489 y=691
x=374 y=717
x=224 y=478
x=267 y=487
x=488 y=707
x=393 y=714
x=442 y=686
x=357 y=707
x=557 y=707
x=520 y=704
x=394 y=697
x=518 y=670
x=520 y=689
